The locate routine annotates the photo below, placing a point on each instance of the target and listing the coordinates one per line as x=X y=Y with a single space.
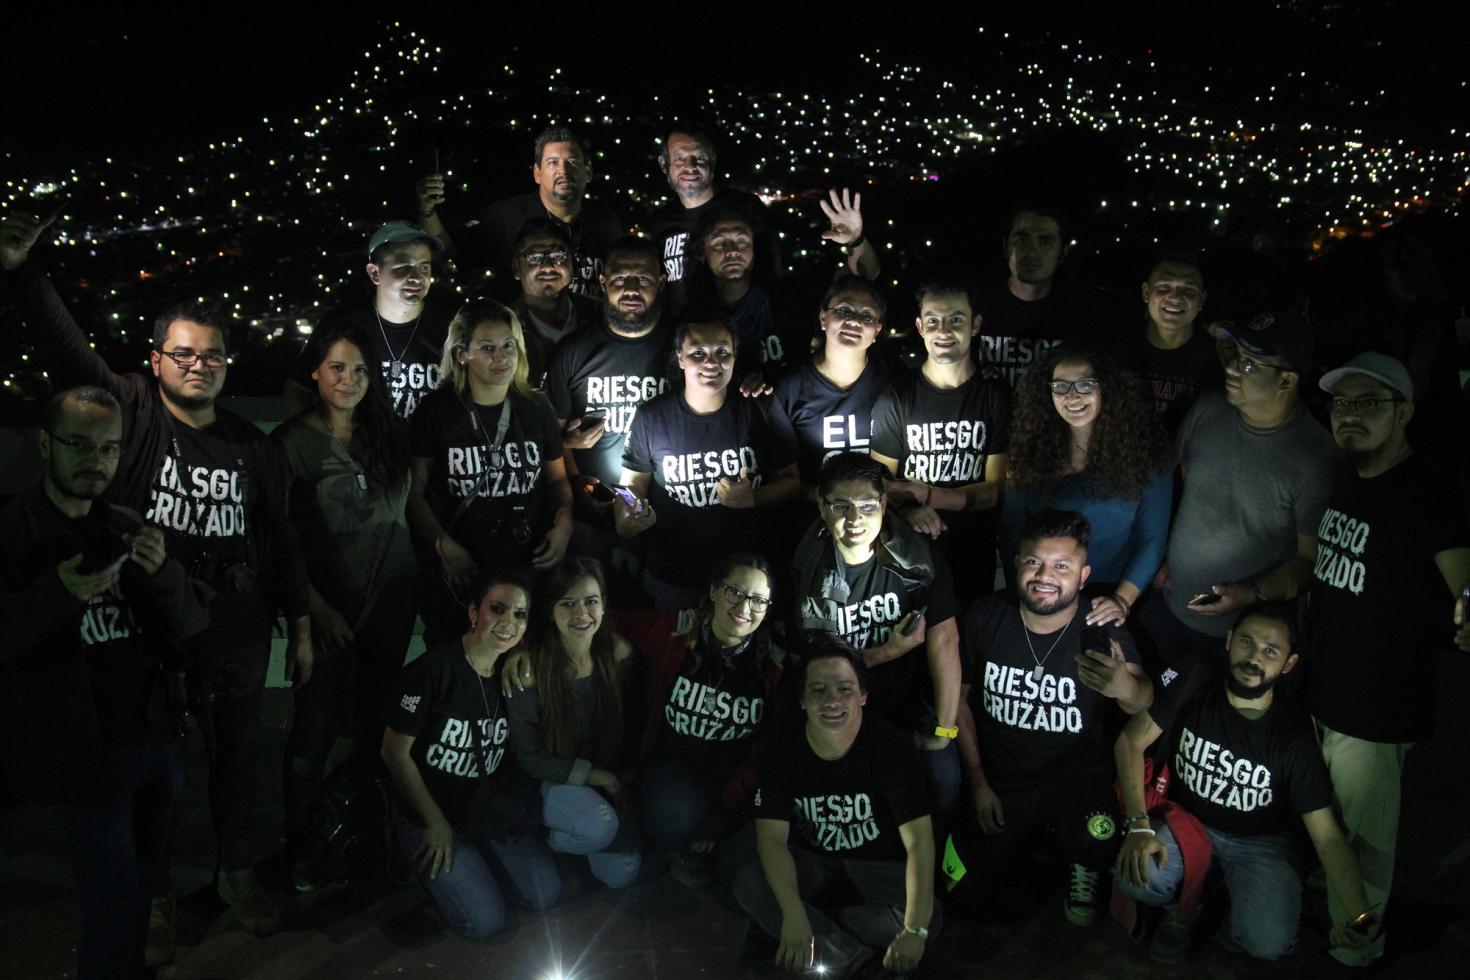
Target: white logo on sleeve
x=410 y=702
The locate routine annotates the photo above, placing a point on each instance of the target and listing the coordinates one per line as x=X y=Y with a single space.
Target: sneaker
x=1173 y=939
x=691 y=869
x=251 y=905
x=158 y=948
x=1082 y=905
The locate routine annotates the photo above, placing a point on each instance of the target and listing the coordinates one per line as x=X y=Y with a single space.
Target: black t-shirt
x=1379 y=607
x=752 y=319
x=1015 y=333
x=415 y=347
x=1238 y=774
x=598 y=371
x=850 y=807
x=712 y=712
x=878 y=598
x=511 y=516
x=459 y=727
x=673 y=228
x=942 y=436
x=825 y=419
x=1172 y=379
x=688 y=455
x=489 y=238
x=1033 y=728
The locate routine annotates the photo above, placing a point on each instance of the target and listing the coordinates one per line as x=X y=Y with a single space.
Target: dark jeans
x=345 y=698
x=676 y=799
x=116 y=850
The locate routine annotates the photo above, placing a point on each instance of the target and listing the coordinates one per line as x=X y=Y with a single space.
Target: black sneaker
x=1173 y=940
x=1083 y=907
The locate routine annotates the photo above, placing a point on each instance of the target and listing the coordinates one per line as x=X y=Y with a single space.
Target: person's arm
x=904 y=953
x=942 y=644
x=784 y=484
x=797 y=943
x=632 y=522
x=1140 y=845
x=1454 y=565
x=559 y=489
x=1339 y=863
x=1284 y=581
x=289 y=585
x=845 y=212
x=1149 y=536
x=529 y=742
x=32 y=613
x=1112 y=675
x=456 y=561
x=429 y=194
x=437 y=851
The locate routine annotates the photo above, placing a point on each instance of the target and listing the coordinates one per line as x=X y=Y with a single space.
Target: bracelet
x=1127 y=606
x=1365 y=919
x=920 y=931
x=1142 y=830
x=1135 y=818
x=855 y=242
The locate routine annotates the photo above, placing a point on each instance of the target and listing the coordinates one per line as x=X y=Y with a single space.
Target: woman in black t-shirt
x=486 y=446
x=445 y=750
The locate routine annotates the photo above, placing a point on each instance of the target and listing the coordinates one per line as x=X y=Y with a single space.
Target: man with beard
x=93 y=610
x=548 y=310
x=407 y=331
x=1174 y=358
x=1044 y=684
x=943 y=431
x=218 y=488
x=1394 y=530
x=1244 y=765
x=561 y=167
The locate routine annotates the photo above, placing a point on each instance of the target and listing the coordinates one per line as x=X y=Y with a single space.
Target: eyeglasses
x=1083 y=386
x=185 y=358
x=1360 y=406
x=1230 y=354
x=846 y=508
x=537 y=259
x=83 y=448
x=854 y=316
x=735 y=596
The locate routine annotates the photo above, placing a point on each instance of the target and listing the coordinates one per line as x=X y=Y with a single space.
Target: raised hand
x=846 y=215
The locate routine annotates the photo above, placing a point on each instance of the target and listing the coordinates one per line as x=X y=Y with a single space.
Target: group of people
x=747 y=600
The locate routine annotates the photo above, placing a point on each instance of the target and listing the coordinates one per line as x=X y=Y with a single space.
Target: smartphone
x=913 y=623
x=593 y=417
x=625 y=495
x=1206 y=599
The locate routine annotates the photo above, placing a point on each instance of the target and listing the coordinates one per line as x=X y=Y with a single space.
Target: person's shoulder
x=296 y=430
x=988 y=609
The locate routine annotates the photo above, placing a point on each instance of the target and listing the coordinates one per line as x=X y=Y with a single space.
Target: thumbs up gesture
x=736 y=493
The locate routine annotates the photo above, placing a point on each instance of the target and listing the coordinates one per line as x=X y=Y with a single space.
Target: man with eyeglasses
x=1172 y=358
x=943 y=432
x=1257 y=472
x=1394 y=535
x=94 y=611
x=548 y=310
x=871 y=580
x=406 y=329
x=562 y=168
x=217 y=486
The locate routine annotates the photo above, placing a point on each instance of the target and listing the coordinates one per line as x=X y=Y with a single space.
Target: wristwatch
x=919 y=931
x=950 y=732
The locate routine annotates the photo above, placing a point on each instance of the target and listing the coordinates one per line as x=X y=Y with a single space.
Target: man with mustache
x=1243 y=767
x=561 y=167
x=1393 y=537
x=547 y=308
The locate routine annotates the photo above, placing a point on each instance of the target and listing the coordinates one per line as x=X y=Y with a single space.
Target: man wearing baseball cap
x=1257 y=472
x=407 y=332
x=1395 y=528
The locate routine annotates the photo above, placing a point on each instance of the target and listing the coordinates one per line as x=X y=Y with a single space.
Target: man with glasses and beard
x=548 y=310
x=1393 y=536
x=217 y=486
x=1244 y=766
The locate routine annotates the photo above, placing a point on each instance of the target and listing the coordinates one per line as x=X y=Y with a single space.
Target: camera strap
x=492 y=458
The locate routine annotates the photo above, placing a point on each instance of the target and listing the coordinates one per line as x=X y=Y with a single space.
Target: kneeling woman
x=699 y=460
x=570 y=729
x=445 y=749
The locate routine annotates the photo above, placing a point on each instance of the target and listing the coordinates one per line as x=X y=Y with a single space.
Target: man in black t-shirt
x=1246 y=767
x=1174 y=360
x=943 y=431
x=561 y=167
x=870 y=580
x=406 y=330
x=547 y=309
x=1040 y=690
x=848 y=784
x=1393 y=535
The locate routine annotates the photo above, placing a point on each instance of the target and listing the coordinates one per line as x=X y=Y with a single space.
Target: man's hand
x=798 y=947
x=754 y=385
x=846 y=215
x=897 y=643
x=737 y=494
x=1344 y=934
x=1136 y=859
x=554 y=548
x=430 y=193
x=633 y=520
x=436 y=853
x=1106 y=673
x=18 y=235
x=147 y=548
x=904 y=953
x=988 y=810
x=925 y=520
x=331 y=628
x=573 y=436
x=457 y=563
x=1233 y=598
x=299 y=659
x=84 y=587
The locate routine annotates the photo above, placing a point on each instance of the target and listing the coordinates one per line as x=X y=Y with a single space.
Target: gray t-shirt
x=1247 y=494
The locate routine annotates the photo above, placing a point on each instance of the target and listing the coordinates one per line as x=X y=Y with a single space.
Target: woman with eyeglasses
x=487 y=450
x=700 y=460
x=570 y=725
x=1084 y=438
x=348 y=455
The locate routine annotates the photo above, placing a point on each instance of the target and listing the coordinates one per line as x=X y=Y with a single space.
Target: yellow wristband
x=942 y=732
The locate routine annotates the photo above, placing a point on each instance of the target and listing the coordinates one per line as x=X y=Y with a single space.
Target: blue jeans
x=468 y=896
x=116 y=850
x=1262 y=872
x=579 y=820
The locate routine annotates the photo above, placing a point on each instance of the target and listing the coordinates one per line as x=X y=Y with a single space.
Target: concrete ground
x=663 y=930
